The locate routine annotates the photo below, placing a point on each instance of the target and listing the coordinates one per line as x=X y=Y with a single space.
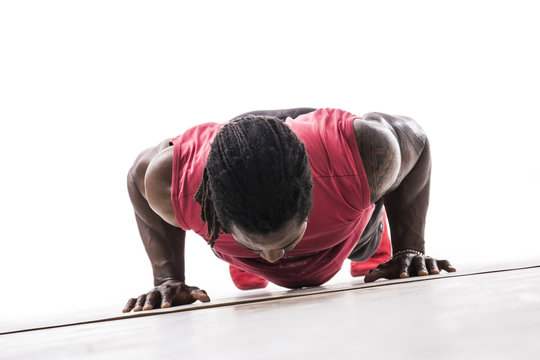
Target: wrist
x=161 y=280
x=408 y=251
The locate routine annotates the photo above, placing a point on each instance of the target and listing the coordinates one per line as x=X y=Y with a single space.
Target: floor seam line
x=272 y=298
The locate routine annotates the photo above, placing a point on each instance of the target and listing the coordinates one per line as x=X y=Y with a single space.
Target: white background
x=85 y=86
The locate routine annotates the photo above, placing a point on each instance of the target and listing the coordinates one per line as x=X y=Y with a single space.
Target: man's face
x=272 y=246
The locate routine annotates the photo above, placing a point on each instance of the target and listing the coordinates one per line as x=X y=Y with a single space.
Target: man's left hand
x=409 y=264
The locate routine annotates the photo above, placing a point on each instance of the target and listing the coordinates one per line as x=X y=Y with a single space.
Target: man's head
x=256 y=183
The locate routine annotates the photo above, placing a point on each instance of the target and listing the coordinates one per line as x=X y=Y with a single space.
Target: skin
x=397 y=161
x=272 y=246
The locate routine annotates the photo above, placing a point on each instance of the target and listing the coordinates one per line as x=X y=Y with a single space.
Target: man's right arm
x=163 y=241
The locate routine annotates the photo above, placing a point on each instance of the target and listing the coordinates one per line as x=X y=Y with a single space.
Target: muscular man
x=285 y=196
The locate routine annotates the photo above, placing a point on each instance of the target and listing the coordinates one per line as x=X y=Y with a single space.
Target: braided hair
x=257 y=176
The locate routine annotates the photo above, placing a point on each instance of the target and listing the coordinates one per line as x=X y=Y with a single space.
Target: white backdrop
x=85 y=86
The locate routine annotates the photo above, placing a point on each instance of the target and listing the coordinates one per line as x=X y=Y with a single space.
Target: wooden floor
x=489 y=315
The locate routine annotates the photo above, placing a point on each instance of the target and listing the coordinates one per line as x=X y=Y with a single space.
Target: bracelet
x=407 y=251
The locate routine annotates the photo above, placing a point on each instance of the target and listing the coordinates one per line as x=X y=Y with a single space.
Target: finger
x=375 y=274
x=200 y=295
x=419 y=266
x=405 y=265
x=129 y=306
x=152 y=298
x=167 y=298
x=140 y=303
x=432 y=267
x=445 y=265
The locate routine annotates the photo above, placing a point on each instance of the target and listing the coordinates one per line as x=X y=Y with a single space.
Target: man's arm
x=164 y=242
x=149 y=182
x=397 y=160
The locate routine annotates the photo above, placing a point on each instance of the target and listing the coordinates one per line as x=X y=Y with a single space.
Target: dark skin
x=396 y=157
x=397 y=160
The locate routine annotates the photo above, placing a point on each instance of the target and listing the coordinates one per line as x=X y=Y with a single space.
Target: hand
x=170 y=293
x=409 y=264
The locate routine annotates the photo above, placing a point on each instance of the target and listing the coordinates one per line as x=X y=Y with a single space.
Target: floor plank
x=491 y=315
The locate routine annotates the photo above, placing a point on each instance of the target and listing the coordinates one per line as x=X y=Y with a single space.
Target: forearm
x=407 y=205
x=163 y=242
x=164 y=245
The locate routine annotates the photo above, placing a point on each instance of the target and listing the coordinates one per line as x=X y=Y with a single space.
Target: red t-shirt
x=341 y=199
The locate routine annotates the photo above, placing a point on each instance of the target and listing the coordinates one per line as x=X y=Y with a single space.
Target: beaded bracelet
x=407 y=251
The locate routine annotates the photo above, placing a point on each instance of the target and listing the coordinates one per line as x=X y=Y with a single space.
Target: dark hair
x=257 y=175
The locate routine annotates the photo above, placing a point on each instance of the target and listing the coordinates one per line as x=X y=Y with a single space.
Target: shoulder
x=380 y=154
x=151 y=174
x=138 y=170
x=159 y=171
x=157 y=184
x=389 y=146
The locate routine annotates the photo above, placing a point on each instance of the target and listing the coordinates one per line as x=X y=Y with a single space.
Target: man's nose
x=272 y=255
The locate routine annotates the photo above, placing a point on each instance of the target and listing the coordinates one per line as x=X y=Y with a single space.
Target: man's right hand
x=170 y=293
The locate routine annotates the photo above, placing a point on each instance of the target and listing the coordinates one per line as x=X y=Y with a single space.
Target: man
x=285 y=196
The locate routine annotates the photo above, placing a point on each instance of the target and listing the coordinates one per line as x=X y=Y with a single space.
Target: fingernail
x=137 y=308
x=403 y=275
x=165 y=304
x=147 y=307
x=423 y=273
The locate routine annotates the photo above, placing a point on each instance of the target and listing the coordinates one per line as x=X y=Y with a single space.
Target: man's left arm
x=397 y=161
